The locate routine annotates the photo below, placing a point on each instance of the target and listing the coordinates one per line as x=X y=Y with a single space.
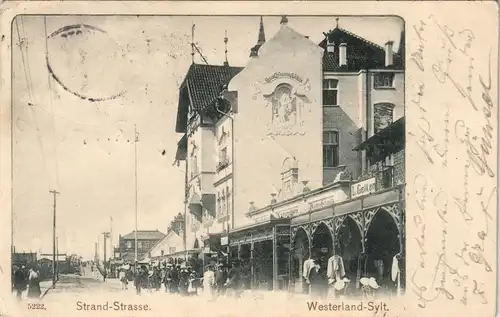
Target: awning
x=208 y=202
x=197 y=203
x=395 y=133
x=194 y=200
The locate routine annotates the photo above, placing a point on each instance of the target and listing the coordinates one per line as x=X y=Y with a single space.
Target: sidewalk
x=44 y=288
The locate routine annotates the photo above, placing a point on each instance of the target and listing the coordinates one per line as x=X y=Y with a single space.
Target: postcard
x=248 y=158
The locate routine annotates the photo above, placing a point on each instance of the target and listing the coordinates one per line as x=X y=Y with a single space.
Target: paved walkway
x=44 y=286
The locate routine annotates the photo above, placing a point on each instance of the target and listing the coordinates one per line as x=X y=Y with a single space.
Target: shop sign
x=363 y=188
x=321 y=203
x=224 y=240
x=278 y=75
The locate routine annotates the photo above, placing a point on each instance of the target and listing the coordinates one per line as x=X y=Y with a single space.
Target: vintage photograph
x=208 y=156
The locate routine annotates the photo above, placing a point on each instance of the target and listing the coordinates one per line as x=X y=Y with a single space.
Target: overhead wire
x=56 y=158
x=25 y=61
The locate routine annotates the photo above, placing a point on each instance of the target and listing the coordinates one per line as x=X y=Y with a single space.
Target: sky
x=84 y=149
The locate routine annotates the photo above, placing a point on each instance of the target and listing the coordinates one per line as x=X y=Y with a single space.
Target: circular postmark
x=82 y=59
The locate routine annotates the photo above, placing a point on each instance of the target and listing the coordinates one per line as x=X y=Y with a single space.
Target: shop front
x=366 y=232
x=262 y=250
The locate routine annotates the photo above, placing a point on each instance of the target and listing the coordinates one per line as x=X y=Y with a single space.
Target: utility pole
x=54 y=257
x=111 y=238
x=136 y=139
x=57 y=257
x=105 y=235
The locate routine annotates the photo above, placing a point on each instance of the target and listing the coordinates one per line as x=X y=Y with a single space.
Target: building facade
x=146 y=239
x=281 y=152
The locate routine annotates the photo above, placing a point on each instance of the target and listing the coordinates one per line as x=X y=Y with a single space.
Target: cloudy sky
x=84 y=148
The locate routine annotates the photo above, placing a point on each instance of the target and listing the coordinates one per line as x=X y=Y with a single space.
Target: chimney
x=330 y=46
x=343 y=54
x=388 y=53
x=254 y=52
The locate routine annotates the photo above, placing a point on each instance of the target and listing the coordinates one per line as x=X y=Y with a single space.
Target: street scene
x=161 y=158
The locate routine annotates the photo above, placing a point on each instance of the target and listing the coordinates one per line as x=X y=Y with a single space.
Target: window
x=129 y=244
x=139 y=244
x=387 y=177
x=383 y=80
x=146 y=244
x=223 y=203
x=330 y=92
x=223 y=155
x=382 y=116
x=228 y=200
x=194 y=166
x=219 y=205
x=330 y=148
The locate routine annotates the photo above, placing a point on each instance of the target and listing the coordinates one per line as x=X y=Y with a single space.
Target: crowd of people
x=217 y=280
x=26 y=279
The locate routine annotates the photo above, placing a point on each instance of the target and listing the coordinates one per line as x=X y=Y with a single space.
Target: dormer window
x=383 y=80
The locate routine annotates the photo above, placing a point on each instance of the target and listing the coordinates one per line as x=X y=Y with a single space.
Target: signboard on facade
x=321 y=203
x=224 y=240
x=363 y=188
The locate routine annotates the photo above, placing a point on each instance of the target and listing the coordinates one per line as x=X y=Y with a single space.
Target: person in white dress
x=209 y=282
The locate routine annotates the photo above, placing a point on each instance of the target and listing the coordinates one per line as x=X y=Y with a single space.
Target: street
x=91 y=295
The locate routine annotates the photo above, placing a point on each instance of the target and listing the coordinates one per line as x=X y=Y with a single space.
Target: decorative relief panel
x=369 y=215
x=358 y=219
x=294 y=231
x=338 y=223
x=395 y=211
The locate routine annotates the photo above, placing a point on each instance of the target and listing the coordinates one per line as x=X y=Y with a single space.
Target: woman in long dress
x=209 y=282
x=34 y=284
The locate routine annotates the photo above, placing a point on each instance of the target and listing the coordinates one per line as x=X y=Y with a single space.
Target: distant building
x=170 y=246
x=146 y=239
x=23 y=258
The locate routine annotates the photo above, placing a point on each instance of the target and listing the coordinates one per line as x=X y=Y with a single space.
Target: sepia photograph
x=183 y=156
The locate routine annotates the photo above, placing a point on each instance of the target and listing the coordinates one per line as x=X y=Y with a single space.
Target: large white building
x=274 y=140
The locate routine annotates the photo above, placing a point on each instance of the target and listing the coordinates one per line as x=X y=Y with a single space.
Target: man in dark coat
x=234 y=279
x=174 y=279
x=140 y=279
x=318 y=279
x=20 y=282
x=184 y=281
x=220 y=279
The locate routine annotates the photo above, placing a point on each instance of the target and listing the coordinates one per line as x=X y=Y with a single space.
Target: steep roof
x=201 y=86
x=145 y=235
x=361 y=53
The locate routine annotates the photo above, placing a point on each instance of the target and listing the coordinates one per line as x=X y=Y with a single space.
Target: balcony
x=222 y=165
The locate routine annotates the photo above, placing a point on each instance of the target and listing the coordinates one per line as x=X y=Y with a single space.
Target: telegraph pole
x=54 y=257
x=105 y=235
x=136 y=139
x=57 y=257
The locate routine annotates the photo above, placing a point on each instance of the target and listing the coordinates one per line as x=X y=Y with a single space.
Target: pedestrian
x=34 y=283
x=318 y=280
x=138 y=281
x=220 y=279
x=183 y=281
x=174 y=279
x=233 y=279
x=20 y=282
x=193 y=283
x=209 y=282
x=123 y=279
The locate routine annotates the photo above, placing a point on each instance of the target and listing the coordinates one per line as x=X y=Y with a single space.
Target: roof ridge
x=361 y=38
